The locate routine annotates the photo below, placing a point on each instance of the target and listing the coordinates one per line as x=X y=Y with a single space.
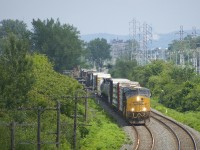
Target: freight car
x=127 y=97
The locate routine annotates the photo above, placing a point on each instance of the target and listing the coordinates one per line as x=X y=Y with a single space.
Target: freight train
x=127 y=97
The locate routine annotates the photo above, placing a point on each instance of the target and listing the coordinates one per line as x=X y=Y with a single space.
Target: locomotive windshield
x=144 y=92
x=138 y=91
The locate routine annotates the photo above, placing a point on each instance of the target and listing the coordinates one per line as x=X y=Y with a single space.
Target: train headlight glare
x=144 y=109
x=132 y=109
x=138 y=98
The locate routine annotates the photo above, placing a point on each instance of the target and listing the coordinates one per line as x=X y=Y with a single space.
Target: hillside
x=159 y=40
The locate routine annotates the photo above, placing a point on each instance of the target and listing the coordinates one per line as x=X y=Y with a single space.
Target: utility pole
x=194 y=32
x=38 y=141
x=182 y=61
x=199 y=61
x=75 y=113
x=181 y=51
x=75 y=120
x=86 y=105
x=39 y=129
x=195 y=53
x=58 y=125
x=13 y=124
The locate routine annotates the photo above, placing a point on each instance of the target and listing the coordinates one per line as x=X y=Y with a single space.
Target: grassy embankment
x=189 y=118
x=103 y=133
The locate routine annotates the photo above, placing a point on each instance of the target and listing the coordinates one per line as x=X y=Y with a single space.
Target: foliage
x=60 y=43
x=175 y=86
x=48 y=87
x=187 y=47
x=143 y=73
x=29 y=81
x=19 y=28
x=103 y=133
x=190 y=118
x=26 y=131
x=123 y=69
x=15 y=71
x=98 y=52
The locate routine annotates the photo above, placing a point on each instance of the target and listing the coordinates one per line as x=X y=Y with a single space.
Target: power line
x=143 y=35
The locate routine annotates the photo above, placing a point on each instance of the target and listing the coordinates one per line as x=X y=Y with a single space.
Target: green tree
x=19 y=28
x=123 y=69
x=143 y=73
x=174 y=86
x=15 y=71
x=98 y=52
x=186 y=47
x=60 y=43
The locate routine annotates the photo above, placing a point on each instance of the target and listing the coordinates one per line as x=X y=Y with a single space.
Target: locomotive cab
x=137 y=104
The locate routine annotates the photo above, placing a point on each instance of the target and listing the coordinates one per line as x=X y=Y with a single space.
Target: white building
x=119 y=48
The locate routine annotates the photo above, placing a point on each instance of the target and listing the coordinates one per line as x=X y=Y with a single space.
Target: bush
x=103 y=133
x=190 y=118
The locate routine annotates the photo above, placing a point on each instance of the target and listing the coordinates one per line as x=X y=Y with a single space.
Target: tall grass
x=190 y=118
x=103 y=134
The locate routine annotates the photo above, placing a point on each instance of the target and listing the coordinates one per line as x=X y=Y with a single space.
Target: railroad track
x=145 y=139
x=184 y=139
x=156 y=135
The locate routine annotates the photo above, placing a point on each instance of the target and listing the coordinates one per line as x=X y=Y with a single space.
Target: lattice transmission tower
x=140 y=36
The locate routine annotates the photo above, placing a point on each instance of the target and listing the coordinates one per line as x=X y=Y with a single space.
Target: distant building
x=122 y=49
x=157 y=54
x=119 y=49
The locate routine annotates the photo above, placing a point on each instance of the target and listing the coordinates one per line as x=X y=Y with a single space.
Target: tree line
x=31 y=63
x=61 y=43
x=174 y=86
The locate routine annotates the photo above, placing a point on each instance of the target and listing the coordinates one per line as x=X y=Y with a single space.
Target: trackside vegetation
x=48 y=88
x=176 y=87
x=31 y=63
x=190 y=118
x=103 y=133
x=29 y=84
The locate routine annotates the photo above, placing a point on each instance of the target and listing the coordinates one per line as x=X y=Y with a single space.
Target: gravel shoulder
x=194 y=133
x=162 y=141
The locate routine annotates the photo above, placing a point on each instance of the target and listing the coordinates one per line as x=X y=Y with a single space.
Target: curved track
x=184 y=138
x=156 y=135
x=145 y=139
x=175 y=141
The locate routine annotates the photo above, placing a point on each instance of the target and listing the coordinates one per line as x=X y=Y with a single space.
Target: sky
x=107 y=16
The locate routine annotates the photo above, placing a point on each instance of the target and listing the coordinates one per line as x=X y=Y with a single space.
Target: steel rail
x=190 y=135
x=172 y=131
x=138 y=138
x=153 y=141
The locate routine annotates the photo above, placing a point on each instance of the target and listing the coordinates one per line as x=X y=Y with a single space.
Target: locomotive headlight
x=132 y=109
x=144 y=109
x=138 y=98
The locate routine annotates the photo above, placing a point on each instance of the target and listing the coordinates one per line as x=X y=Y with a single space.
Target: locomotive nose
x=144 y=109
